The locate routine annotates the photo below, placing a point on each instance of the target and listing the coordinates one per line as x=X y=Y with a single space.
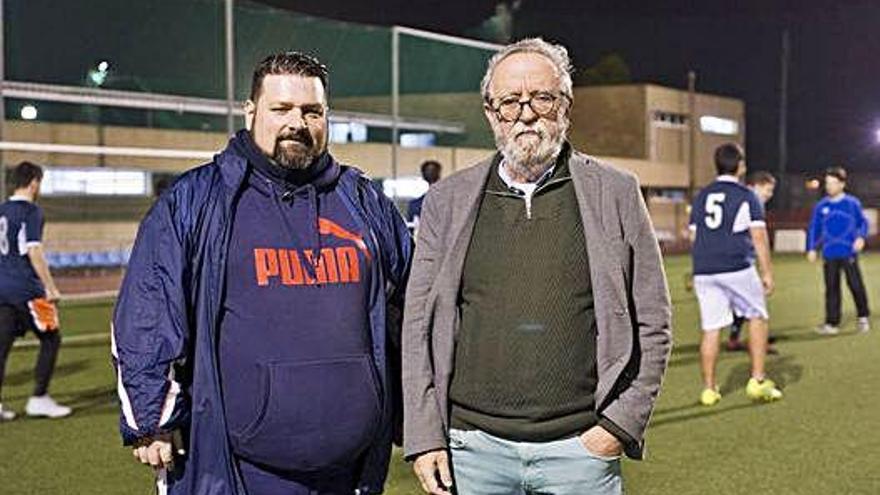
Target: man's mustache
x=539 y=130
x=302 y=136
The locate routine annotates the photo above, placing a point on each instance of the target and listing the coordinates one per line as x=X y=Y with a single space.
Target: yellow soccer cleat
x=710 y=397
x=764 y=390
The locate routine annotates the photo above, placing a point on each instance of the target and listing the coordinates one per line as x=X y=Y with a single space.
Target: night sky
x=834 y=73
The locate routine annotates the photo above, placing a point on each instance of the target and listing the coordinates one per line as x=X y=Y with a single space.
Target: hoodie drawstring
x=289 y=196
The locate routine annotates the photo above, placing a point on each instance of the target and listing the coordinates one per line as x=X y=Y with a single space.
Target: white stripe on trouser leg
x=162 y=482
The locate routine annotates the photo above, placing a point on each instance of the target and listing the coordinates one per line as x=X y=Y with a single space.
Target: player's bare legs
x=709 y=345
x=758 y=330
x=760 y=388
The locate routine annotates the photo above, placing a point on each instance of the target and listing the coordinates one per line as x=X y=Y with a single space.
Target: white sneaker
x=6 y=414
x=45 y=406
x=864 y=325
x=827 y=329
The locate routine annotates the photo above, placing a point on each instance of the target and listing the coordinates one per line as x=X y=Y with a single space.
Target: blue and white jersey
x=21 y=226
x=721 y=217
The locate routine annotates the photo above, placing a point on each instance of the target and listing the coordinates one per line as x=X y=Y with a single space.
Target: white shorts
x=721 y=295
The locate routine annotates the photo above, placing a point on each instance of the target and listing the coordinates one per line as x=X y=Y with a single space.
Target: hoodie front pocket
x=314 y=415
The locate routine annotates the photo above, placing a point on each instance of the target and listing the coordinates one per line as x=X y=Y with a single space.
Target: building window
x=347 y=132
x=719 y=125
x=670 y=120
x=418 y=139
x=95 y=182
x=674 y=195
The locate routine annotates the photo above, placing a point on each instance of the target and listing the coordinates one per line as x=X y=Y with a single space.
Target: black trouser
x=736 y=327
x=15 y=320
x=850 y=267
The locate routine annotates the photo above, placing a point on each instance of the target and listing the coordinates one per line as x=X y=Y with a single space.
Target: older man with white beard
x=537 y=318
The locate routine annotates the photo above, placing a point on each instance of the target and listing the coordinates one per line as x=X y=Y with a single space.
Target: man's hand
x=155 y=451
x=598 y=441
x=428 y=466
x=811 y=256
x=767 y=282
x=859 y=244
x=52 y=295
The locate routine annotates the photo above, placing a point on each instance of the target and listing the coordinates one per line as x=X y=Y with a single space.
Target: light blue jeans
x=486 y=465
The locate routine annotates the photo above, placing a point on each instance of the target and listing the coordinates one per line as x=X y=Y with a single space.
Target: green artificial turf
x=823 y=438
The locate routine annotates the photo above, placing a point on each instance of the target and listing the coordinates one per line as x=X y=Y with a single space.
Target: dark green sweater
x=525 y=359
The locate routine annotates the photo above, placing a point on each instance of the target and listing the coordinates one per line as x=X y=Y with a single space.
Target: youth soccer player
x=27 y=290
x=763 y=184
x=839 y=227
x=727 y=222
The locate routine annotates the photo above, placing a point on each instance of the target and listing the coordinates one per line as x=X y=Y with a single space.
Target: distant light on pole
x=28 y=112
x=877 y=135
x=99 y=75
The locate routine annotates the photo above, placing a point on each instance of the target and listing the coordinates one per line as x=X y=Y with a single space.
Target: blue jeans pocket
x=572 y=469
x=457 y=439
x=314 y=415
x=599 y=457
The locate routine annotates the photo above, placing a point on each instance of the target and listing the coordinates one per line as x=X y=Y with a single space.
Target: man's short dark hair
x=287 y=63
x=837 y=172
x=727 y=158
x=426 y=166
x=760 y=177
x=24 y=173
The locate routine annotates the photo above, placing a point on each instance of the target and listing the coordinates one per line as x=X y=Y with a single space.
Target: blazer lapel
x=587 y=187
x=464 y=215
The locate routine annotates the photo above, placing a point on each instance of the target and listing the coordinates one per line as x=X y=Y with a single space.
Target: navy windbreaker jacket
x=166 y=320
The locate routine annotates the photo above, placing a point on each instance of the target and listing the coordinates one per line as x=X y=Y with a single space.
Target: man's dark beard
x=295 y=159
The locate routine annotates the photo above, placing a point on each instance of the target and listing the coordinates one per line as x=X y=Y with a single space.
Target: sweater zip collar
x=553 y=175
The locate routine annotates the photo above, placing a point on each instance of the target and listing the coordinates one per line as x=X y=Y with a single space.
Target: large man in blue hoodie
x=839 y=227
x=255 y=336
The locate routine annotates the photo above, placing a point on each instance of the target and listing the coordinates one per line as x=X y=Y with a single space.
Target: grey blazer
x=633 y=312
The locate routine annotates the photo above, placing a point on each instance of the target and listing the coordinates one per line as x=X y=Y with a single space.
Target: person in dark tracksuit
x=256 y=336
x=27 y=289
x=431 y=170
x=839 y=227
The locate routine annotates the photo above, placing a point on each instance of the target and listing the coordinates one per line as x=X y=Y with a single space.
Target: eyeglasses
x=543 y=103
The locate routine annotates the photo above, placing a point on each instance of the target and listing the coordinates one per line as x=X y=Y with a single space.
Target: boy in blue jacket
x=839 y=226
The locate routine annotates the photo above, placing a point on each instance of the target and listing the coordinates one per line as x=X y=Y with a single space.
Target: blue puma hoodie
x=300 y=391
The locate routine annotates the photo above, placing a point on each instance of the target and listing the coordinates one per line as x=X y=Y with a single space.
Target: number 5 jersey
x=721 y=216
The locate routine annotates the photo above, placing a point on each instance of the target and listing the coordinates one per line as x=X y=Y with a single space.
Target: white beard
x=529 y=156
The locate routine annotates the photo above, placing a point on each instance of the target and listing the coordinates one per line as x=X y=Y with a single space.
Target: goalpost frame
x=396 y=32
x=229 y=107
